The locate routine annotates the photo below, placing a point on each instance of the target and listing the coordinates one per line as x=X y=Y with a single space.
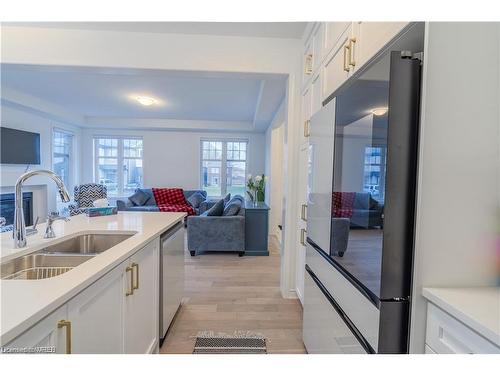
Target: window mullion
x=120 y=166
x=224 y=169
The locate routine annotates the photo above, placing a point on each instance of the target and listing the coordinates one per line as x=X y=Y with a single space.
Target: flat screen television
x=19 y=147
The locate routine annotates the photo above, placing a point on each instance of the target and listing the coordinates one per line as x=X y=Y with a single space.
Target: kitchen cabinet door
x=306 y=114
x=141 y=316
x=96 y=315
x=301 y=221
x=369 y=38
x=316 y=93
x=333 y=31
x=307 y=61
x=336 y=67
x=43 y=337
x=318 y=48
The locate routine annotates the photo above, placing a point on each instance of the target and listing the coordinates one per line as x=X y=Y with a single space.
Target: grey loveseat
x=151 y=206
x=217 y=233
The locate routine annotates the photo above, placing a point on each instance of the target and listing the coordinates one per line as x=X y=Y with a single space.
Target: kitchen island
x=108 y=302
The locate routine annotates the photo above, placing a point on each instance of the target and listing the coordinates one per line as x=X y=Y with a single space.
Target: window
x=118 y=164
x=374 y=171
x=62 y=148
x=223 y=167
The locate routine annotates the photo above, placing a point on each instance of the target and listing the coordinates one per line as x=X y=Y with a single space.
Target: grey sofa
x=150 y=205
x=217 y=233
x=366 y=212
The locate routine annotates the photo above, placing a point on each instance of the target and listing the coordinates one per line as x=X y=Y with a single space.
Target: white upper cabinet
x=336 y=68
x=369 y=38
x=141 y=307
x=316 y=93
x=318 y=46
x=333 y=32
x=307 y=61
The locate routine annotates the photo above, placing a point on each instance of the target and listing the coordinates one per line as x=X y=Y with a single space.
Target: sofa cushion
x=139 y=198
x=217 y=209
x=232 y=208
x=195 y=199
x=227 y=198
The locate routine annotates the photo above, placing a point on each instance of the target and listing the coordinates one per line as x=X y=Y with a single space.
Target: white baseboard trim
x=300 y=296
x=290 y=294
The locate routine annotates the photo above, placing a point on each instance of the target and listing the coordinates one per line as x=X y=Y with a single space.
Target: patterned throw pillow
x=196 y=199
x=232 y=208
x=227 y=198
x=217 y=209
x=139 y=198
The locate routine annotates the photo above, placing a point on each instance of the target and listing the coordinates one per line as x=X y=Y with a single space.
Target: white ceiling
x=292 y=30
x=100 y=97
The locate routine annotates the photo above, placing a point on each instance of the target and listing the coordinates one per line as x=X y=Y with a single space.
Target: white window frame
x=71 y=173
x=223 y=175
x=120 y=159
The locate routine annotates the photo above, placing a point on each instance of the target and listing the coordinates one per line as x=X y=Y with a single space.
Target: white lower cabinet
x=141 y=316
x=118 y=313
x=46 y=334
x=96 y=315
x=447 y=335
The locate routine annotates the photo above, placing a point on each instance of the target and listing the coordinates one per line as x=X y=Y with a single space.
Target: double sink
x=57 y=259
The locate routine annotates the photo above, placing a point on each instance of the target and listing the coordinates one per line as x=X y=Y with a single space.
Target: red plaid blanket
x=342 y=203
x=172 y=200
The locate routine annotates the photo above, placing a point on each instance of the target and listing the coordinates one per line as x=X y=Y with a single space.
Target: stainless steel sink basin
x=59 y=258
x=87 y=244
x=40 y=266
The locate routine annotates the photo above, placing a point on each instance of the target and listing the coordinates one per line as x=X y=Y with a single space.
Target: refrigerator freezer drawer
x=361 y=311
x=325 y=332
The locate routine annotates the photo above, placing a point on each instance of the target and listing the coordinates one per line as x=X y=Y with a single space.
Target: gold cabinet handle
x=352 y=60
x=136 y=266
x=66 y=324
x=308 y=64
x=131 y=290
x=303 y=212
x=346 y=62
x=307 y=128
x=303 y=237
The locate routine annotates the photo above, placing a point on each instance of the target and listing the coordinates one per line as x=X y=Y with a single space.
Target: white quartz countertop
x=25 y=302
x=478 y=308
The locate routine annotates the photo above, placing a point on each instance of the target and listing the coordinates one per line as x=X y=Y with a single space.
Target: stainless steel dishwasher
x=171 y=275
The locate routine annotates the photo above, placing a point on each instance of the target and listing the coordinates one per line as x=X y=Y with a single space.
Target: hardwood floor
x=226 y=293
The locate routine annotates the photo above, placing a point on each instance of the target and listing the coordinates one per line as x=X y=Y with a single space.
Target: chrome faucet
x=19 y=232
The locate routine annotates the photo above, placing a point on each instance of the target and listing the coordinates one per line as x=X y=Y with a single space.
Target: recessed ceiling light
x=145 y=100
x=379 y=111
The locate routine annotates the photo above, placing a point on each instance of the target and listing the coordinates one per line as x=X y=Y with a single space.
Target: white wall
x=459 y=163
x=172 y=158
x=44 y=190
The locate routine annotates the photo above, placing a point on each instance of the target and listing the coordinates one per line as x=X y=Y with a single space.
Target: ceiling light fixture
x=379 y=111
x=145 y=100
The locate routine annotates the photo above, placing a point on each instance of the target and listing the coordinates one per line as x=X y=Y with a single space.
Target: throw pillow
x=232 y=208
x=227 y=198
x=196 y=199
x=139 y=198
x=217 y=209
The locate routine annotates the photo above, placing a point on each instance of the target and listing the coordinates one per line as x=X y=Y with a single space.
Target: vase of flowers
x=256 y=188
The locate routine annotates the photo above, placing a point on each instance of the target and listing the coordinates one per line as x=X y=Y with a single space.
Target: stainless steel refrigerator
x=360 y=209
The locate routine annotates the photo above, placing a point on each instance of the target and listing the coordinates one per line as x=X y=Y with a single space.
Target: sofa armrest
x=123 y=205
x=216 y=233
